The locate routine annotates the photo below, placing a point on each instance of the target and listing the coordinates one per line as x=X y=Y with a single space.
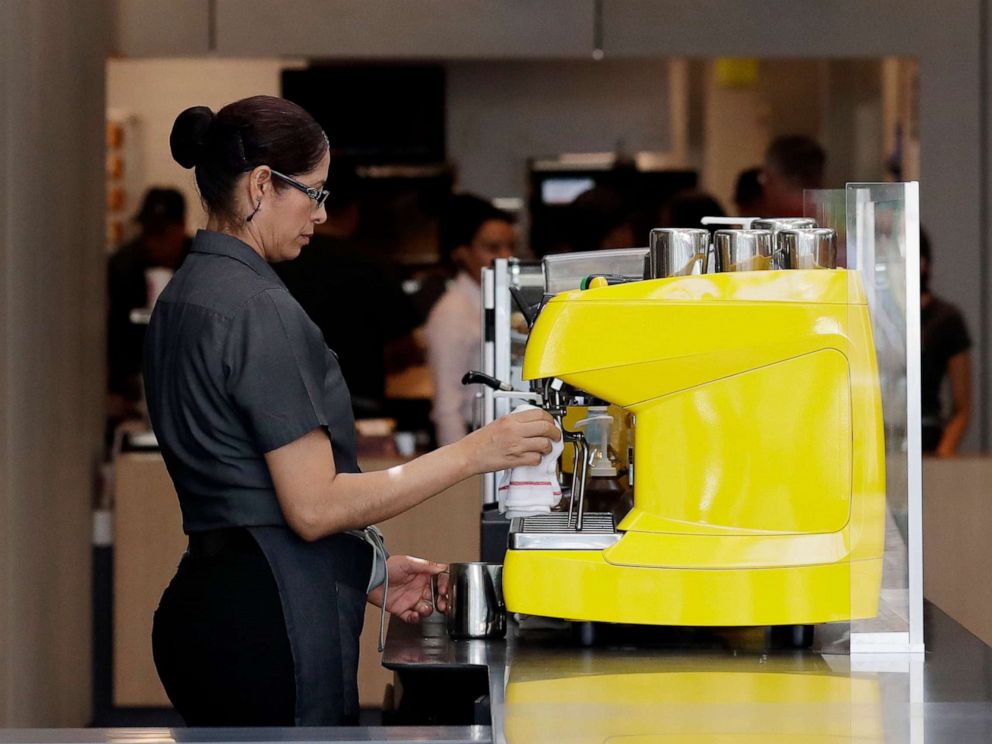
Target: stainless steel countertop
x=658 y=683
x=705 y=685
x=344 y=735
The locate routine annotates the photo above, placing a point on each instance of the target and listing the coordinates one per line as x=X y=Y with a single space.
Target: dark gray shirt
x=234 y=368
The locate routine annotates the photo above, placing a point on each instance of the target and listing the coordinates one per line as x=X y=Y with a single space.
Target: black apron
x=322 y=587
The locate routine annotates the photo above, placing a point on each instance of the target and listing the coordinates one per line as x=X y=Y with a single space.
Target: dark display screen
x=375 y=113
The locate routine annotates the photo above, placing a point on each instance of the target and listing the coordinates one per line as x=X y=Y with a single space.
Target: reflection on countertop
x=796 y=697
x=703 y=686
x=679 y=686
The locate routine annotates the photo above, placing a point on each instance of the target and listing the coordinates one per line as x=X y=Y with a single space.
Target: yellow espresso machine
x=753 y=409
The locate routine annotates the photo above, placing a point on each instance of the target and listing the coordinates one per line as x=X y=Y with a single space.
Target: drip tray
x=555 y=531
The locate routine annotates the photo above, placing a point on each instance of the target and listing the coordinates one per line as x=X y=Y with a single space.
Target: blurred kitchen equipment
x=782 y=223
x=743 y=250
x=810 y=248
x=565 y=271
x=475 y=601
x=677 y=251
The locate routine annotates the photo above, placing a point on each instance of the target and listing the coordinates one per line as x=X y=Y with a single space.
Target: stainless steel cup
x=475 y=601
x=775 y=224
x=743 y=250
x=814 y=248
x=678 y=251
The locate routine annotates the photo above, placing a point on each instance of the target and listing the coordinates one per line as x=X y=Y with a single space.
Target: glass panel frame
x=882 y=226
x=879 y=225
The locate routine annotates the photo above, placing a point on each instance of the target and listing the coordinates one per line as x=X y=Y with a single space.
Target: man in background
x=601 y=219
x=135 y=272
x=748 y=194
x=792 y=164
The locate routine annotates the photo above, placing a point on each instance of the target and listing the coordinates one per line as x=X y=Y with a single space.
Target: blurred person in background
x=600 y=219
x=749 y=195
x=687 y=209
x=355 y=298
x=792 y=164
x=473 y=233
x=161 y=244
x=944 y=347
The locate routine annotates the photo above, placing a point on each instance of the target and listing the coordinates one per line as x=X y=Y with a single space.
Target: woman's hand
x=521 y=438
x=410 y=587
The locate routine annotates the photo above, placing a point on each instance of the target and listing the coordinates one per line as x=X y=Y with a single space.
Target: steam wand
x=552 y=401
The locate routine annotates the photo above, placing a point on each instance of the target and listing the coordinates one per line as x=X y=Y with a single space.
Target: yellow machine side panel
x=768 y=451
x=674 y=550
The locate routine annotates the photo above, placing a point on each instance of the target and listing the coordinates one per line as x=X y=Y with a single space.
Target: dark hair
x=687 y=209
x=262 y=130
x=594 y=214
x=925 y=245
x=748 y=189
x=798 y=159
x=461 y=219
x=160 y=209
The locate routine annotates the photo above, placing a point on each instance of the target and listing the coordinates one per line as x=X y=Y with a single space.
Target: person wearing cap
x=161 y=244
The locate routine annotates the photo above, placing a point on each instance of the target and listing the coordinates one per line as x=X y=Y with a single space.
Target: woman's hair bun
x=189 y=135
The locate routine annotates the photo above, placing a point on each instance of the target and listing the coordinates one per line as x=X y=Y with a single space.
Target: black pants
x=220 y=644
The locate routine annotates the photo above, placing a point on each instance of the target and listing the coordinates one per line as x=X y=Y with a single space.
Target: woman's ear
x=259 y=182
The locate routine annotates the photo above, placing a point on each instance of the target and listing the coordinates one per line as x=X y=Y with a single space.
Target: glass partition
x=829 y=208
x=881 y=224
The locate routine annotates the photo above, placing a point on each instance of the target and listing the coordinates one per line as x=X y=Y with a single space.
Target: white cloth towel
x=530 y=489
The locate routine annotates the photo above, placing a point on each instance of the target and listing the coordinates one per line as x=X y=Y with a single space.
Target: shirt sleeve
x=955 y=334
x=274 y=370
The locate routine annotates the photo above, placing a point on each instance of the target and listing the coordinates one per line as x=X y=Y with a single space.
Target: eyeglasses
x=319 y=196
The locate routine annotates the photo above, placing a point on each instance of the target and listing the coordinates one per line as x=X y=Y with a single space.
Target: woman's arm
x=959 y=373
x=318 y=501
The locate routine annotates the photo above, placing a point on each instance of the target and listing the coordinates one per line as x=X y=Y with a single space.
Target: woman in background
x=945 y=354
x=473 y=234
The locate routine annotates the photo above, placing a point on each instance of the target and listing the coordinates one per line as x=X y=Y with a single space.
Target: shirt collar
x=222 y=244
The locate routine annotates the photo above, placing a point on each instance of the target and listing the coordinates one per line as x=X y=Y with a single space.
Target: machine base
x=582 y=585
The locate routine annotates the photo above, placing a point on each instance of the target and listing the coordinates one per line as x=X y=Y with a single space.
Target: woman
x=260 y=625
x=944 y=354
x=473 y=234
